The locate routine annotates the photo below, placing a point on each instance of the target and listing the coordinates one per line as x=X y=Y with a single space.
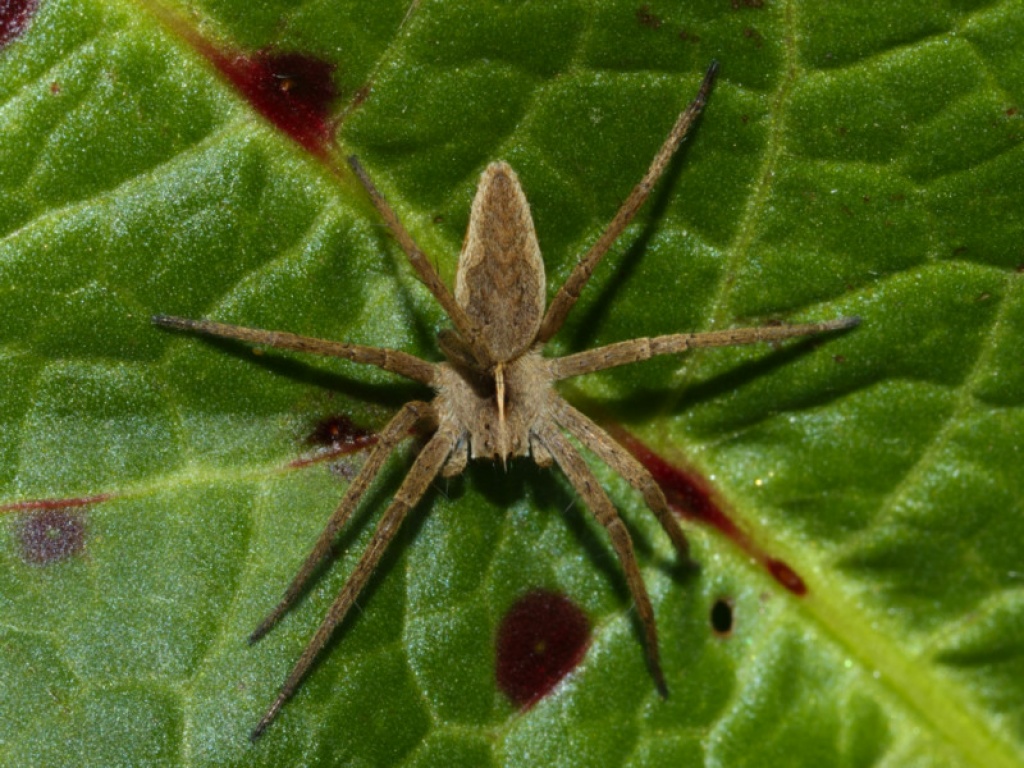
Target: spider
x=494 y=395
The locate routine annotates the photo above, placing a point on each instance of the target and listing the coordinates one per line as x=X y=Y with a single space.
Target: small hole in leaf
x=542 y=638
x=721 y=617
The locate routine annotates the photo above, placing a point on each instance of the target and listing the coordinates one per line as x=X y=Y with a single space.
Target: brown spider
x=494 y=396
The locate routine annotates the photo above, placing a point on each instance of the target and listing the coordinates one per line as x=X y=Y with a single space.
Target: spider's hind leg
x=601 y=507
x=421 y=474
x=389 y=438
x=622 y=461
x=458 y=460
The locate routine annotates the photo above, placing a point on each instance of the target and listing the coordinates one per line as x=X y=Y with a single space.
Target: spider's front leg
x=392 y=360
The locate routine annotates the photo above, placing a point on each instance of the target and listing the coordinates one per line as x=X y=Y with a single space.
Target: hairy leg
x=396 y=431
x=467 y=329
x=391 y=360
x=601 y=507
x=623 y=462
x=635 y=350
x=421 y=474
x=573 y=286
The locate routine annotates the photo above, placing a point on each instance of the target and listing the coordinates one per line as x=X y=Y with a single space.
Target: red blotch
x=339 y=436
x=292 y=90
x=646 y=18
x=542 y=638
x=692 y=497
x=752 y=34
x=74 y=501
x=787 y=577
x=14 y=16
x=51 y=535
x=687 y=492
x=340 y=431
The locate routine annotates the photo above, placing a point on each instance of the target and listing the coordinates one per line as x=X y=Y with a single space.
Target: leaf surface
x=157 y=493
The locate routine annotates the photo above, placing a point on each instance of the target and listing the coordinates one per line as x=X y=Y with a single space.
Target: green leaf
x=853 y=159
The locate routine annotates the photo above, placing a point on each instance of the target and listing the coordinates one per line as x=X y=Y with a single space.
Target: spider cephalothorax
x=494 y=395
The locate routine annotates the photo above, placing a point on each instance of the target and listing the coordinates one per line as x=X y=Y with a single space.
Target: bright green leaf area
x=855 y=158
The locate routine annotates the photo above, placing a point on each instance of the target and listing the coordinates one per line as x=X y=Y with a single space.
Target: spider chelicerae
x=494 y=394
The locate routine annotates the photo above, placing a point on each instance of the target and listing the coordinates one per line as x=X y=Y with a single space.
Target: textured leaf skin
x=853 y=160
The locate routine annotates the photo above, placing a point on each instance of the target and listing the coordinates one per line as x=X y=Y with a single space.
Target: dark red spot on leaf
x=292 y=90
x=787 y=577
x=14 y=16
x=721 y=617
x=752 y=34
x=646 y=18
x=542 y=638
x=51 y=535
x=339 y=436
x=687 y=492
x=73 y=501
x=339 y=431
x=692 y=497
x=361 y=96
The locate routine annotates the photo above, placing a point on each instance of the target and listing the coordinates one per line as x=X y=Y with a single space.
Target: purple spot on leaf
x=52 y=535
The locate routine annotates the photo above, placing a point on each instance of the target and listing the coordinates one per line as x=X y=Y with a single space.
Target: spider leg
x=622 y=461
x=573 y=286
x=391 y=360
x=396 y=431
x=635 y=350
x=601 y=507
x=421 y=474
x=468 y=330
